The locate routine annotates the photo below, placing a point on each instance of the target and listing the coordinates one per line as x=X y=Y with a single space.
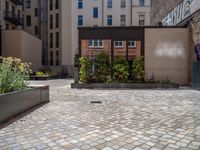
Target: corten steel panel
x=115 y=33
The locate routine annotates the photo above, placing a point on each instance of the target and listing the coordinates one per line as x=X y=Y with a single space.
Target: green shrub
x=13 y=74
x=42 y=74
x=102 y=67
x=138 y=73
x=84 y=74
x=120 y=70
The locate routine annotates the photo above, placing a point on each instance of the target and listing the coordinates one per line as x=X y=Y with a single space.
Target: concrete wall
x=167 y=54
x=17 y=43
x=160 y=9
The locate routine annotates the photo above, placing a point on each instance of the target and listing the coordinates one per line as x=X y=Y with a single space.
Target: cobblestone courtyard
x=126 y=120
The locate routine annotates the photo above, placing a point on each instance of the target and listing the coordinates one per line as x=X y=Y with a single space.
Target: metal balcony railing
x=17 y=2
x=13 y=18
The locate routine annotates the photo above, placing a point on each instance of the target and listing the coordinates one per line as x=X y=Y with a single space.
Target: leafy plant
x=42 y=74
x=138 y=73
x=13 y=74
x=166 y=81
x=84 y=74
x=102 y=67
x=120 y=70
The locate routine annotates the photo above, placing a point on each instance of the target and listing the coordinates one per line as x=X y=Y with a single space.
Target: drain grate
x=96 y=102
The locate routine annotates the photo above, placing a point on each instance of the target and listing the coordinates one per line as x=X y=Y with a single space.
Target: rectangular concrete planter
x=18 y=102
x=40 y=78
x=124 y=86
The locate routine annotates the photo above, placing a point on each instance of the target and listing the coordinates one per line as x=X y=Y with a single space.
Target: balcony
x=17 y=2
x=13 y=18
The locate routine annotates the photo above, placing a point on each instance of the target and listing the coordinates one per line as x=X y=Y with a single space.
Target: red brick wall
x=91 y=52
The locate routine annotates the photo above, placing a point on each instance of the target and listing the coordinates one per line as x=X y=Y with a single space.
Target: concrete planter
x=40 y=78
x=18 y=102
x=124 y=86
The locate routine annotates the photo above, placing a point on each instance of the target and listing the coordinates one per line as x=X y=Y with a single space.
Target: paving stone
x=126 y=119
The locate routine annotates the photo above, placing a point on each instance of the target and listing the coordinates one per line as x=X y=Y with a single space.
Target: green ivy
x=120 y=70
x=84 y=73
x=102 y=67
x=138 y=72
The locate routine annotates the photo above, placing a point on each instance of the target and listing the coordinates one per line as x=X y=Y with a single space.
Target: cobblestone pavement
x=126 y=119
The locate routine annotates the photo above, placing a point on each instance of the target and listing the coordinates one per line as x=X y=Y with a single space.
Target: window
x=95 y=43
x=57 y=4
x=36 y=12
x=141 y=20
x=7 y=6
x=80 y=4
x=141 y=2
x=51 y=40
x=7 y=26
x=51 y=58
x=50 y=4
x=118 y=44
x=28 y=20
x=109 y=20
x=51 y=22
x=57 y=58
x=36 y=30
x=57 y=39
x=57 y=21
x=18 y=13
x=28 y=3
x=80 y=20
x=13 y=11
x=123 y=3
x=109 y=3
x=123 y=20
x=131 y=44
x=95 y=12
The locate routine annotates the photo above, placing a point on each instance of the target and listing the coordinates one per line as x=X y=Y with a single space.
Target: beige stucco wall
x=138 y=10
x=17 y=43
x=167 y=54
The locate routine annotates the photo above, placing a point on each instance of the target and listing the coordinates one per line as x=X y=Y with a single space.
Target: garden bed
x=125 y=86
x=14 y=103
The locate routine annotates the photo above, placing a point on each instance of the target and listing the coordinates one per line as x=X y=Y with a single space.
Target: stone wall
x=195 y=26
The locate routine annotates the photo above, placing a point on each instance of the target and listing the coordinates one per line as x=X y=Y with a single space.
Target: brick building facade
x=134 y=50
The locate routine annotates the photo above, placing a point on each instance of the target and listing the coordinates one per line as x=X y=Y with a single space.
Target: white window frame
x=123 y=20
x=141 y=19
x=91 y=44
x=118 y=45
x=132 y=44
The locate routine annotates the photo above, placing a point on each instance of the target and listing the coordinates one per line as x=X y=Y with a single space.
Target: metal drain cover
x=96 y=102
